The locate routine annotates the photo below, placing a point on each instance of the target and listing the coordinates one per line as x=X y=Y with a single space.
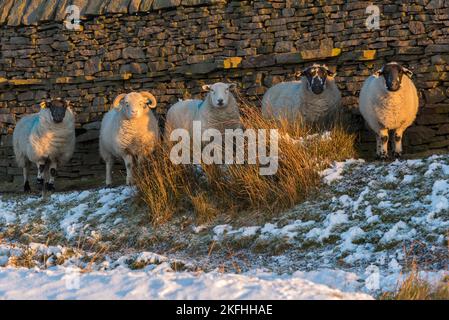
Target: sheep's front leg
x=382 y=144
x=398 y=134
x=26 y=175
x=50 y=186
x=129 y=169
x=40 y=173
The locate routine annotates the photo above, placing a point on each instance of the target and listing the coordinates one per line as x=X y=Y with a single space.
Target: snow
x=335 y=172
x=357 y=236
x=121 y=283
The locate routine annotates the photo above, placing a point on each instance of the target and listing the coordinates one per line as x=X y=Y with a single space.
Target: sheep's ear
x=43 y=104
x=232 y=86
x=299 y=74
x=408 y=72
x=379 y=72
x=206 y=87
x=331 y=74
x=117 y=101
x=67 y=103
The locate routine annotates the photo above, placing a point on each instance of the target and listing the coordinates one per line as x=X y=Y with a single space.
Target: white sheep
x=219 y=110
x=46 y=138
x=314 y=98
x=389 y=101
x=129 y=130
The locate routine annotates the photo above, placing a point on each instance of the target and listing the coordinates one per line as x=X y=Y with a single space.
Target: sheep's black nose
x=220 y=102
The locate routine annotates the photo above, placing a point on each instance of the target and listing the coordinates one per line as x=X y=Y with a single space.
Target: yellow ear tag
x=43 y=105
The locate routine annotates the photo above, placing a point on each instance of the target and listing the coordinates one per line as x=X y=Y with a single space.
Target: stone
x=134 y=6
x=417 y=27
x=165 y=4
x=194 y=3
x=440 y=59
x=259 y=61
x=417 y=135
x=7 y=118
x=437 y=48
x=5 y=7
x=435 y=95
x=118 y=6
x=199 y=68
x=435 y=4
x=60 y=12
x=134 y=68
x=133 y=53
x=96 y=7
x=88 y=136
x=96 y=125
x=16 y=12
x=92 y=66
x=443 y=129
x=113 y=55
x=284 y=46
x=25 y=96
x=145 y=5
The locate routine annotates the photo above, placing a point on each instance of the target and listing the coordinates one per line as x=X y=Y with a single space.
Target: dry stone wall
x=172 y=47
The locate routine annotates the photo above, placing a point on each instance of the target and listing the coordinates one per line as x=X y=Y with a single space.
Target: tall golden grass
x=167 y=188
x=415 y=287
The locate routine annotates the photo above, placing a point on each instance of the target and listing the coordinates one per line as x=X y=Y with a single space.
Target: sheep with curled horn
x=315 y=97
x=129 y=131
x=47 y=139
x=389 y=102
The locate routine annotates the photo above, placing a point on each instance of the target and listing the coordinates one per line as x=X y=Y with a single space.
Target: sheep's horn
x=118 y=99
x=150 y=97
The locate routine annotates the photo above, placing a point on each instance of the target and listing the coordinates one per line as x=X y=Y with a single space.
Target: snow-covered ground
x=358 y=236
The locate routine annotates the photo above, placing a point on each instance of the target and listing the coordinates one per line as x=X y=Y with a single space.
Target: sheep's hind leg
x=382 y=144
x=129 y=169
x=109 y=163
x=26 y=174
x=398 y=134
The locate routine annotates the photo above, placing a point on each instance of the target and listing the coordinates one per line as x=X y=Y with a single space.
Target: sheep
x=47 y=139
x=315 y=98
x=128 y=131
x=389 y=102
x=219 y=111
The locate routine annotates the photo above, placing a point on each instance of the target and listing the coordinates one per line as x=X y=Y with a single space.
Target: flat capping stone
x=36 y=12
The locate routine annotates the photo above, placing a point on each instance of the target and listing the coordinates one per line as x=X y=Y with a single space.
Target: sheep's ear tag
x=43 y=105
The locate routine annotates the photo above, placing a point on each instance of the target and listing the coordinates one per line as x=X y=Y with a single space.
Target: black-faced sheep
x=315 y=97
x=128 y=131
x=46 y=138
x=389 y=101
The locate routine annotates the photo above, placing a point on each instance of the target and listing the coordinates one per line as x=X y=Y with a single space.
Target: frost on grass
x=366 y=216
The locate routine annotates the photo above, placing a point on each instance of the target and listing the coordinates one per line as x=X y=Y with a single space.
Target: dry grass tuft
x=417 y=288
x=167 y=188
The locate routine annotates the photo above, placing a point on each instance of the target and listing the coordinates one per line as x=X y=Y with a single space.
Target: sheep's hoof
x=382 y=157
x=49 y=187
x=26 y=187
x=40 y=184
x=397 y=155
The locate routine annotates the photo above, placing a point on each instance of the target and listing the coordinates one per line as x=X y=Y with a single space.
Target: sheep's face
x=316 y=77
x=219 y=94
x=392 y=74
x=134 y=104
x=57 y=109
